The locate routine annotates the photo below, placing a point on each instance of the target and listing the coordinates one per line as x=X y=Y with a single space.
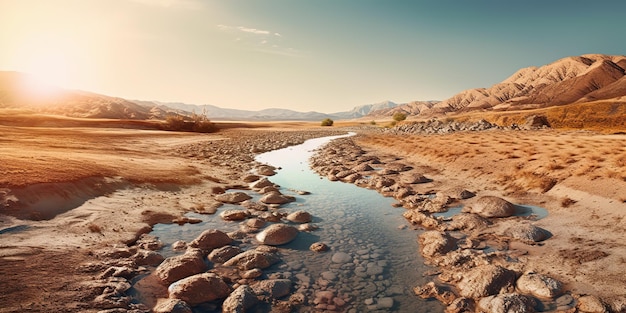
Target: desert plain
x=71 y=191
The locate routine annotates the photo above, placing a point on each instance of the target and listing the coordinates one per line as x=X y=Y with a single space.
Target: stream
x=373 y=262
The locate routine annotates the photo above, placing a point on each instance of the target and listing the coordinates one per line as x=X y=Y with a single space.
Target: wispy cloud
x=261 y=40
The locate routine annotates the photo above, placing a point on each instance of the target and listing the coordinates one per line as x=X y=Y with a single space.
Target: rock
x=536 y=121
x=384 y=303
x=459 y=193
x=434 y=243
x=251 y=178
x=259 y=184
x=299 y=217
x=341 y=258
x=307 y=227
x=486 y=280
x=489 y=206
x=467 y=221
x=419 y=218
x=414 y=178
x=179 y=245
x=239 y=300
x=255 y=206
x=199 y=288
x=255 y=223
x=149 y=242
x=181 y=266
x=266 y=170
x=272 y=288
x=398 y=167
x=363 y=167
x=277 y=234
x=234 y=215
x=171 y=306
x=539 y=285
x=430 y=290
x=526 y=232
x=461 y=305
x=211 y=239
x=147 y=257
x=253 y=259
x=382 y=182
x=591 y=304
x=507 y=303
x=276 y=197
x=232 y=197
x=318 y=247
x=268 y=189
x=251 y=274
x=223 y=254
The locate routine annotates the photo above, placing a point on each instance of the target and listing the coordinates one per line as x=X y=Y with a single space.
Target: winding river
x=373 y=262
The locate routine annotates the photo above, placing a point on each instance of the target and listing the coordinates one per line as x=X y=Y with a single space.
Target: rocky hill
x=569 y=80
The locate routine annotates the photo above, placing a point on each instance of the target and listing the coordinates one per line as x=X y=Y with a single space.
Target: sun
x=47 y=69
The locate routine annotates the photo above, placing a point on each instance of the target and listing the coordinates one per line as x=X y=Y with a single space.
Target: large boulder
x=240 y=300
x=211 y=239
x=275 y=197
x=272 y=288
x=181 y=266
x=299 y=217
x=434 y=243
x=525 y=232
x=277 y=234
x=232 y=197
x=467 y=221
x=507 y=303
x=539 y=285
x=486 y=280
x=223 y=254
x=253 y=259
x=199 y=288
x=490 y=206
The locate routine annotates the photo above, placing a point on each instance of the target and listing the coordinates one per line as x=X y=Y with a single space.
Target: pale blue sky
x=321 y=55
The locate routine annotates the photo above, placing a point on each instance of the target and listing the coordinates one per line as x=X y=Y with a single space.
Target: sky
x=318 y=55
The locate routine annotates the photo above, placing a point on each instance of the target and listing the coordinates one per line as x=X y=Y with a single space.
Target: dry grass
x=520 y=161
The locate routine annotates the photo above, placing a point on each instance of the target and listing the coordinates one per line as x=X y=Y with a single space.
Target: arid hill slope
x=569 y=80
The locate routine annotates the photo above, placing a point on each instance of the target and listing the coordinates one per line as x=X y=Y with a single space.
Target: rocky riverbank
x=479 y=252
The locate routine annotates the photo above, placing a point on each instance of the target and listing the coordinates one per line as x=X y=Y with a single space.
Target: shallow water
x=383 y=264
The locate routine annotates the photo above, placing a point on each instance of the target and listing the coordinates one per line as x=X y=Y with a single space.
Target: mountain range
x=569 y=80
x=15 y=93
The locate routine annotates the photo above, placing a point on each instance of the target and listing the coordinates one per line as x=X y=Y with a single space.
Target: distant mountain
x=569 y=80
x=217 y=113
x=364 y=110
x=411 y=108
x=15 y=92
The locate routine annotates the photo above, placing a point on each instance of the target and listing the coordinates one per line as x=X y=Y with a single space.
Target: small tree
x=399 y=116
x=327 y=122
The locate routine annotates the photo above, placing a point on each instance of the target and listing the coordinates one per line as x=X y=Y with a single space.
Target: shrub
x=373 y=123
x=327 y=122
x=399 y=116
x=195 y=123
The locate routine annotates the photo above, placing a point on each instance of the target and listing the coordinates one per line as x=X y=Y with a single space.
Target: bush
x=195 y=123
x=399 y=116
x=327 y=122
x=373 y=123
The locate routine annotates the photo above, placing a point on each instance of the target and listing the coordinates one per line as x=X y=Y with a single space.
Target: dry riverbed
x=75 y=202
